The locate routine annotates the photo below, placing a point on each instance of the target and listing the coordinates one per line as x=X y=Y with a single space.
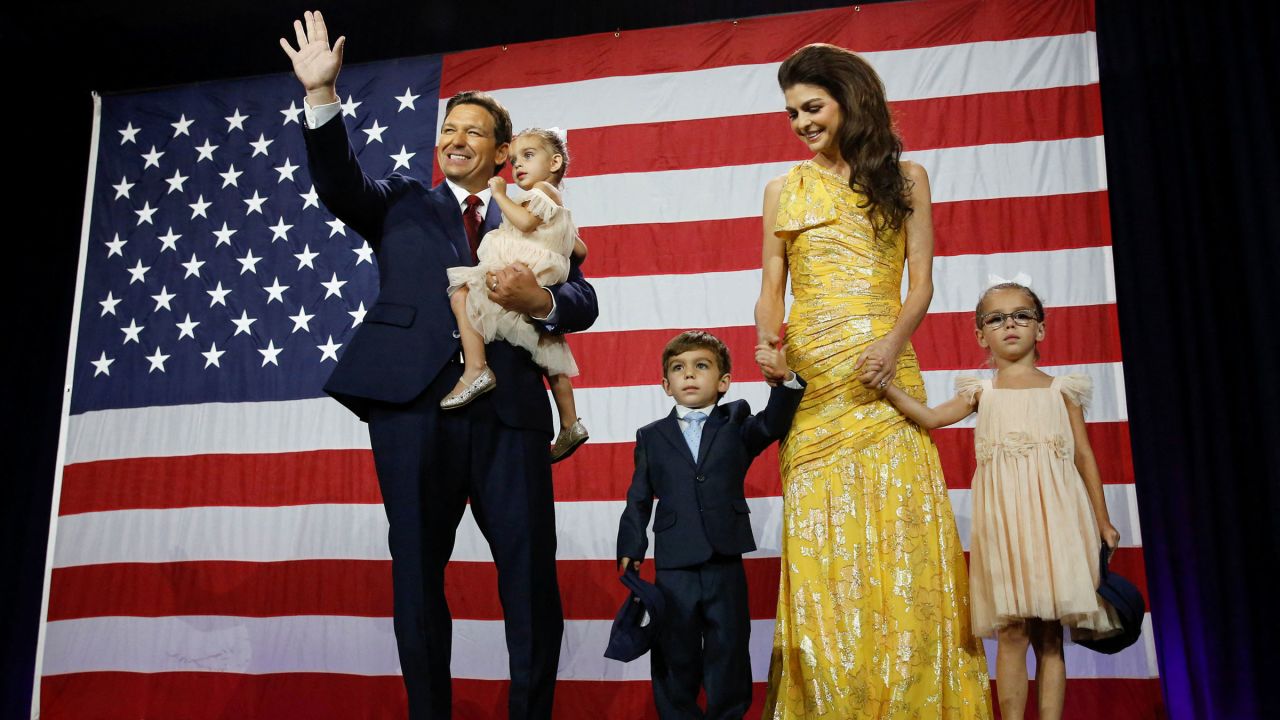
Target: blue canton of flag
x=213 y=272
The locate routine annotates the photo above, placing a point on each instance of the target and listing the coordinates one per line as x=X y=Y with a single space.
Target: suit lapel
x=492 y=217
x=669 y=428
x=449 y=214
x=709 y=429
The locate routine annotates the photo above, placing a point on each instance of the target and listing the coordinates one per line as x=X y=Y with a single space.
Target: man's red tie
x=471 y=221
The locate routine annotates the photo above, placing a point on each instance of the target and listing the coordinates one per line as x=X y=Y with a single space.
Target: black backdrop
x=1189 y=91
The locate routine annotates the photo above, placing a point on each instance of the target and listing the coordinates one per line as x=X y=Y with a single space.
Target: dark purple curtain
x=1189 y=98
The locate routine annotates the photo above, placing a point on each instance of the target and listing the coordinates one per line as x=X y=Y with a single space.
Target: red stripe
x=221 y=696
x=944 y=341
x=1057 y=222
x=1005 y=117
x=1109 y=440
x=300 y=478
x=964 y=120
x=602 y=471
x=1092 y=698
x=324 y=696
x=758 y=40
x=599 y=471
x=1131 y=563
x=1074 y=335
x=970 y=227
x=250 y=589
x=589 y=589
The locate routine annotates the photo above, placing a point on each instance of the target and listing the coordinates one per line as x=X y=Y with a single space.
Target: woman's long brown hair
x=866 y=139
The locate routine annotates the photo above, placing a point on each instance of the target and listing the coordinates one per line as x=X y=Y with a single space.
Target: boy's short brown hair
x=697 y=340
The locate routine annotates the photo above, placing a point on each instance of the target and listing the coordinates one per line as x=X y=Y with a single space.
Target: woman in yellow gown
x=873 y=608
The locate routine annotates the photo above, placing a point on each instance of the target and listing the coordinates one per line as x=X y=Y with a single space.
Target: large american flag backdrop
x=219 y=547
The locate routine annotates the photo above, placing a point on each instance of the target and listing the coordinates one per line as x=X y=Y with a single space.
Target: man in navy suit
x=695 y=461
x=404 y=359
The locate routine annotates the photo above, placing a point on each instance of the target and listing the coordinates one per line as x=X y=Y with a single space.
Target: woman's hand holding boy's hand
x=773 y=363
x=627 y=562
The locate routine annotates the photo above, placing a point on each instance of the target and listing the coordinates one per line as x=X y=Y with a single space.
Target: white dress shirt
x=681 y=411
x=461 y=194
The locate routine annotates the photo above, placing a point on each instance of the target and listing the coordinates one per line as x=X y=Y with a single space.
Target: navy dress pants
x=703 y=641
x=430 y=463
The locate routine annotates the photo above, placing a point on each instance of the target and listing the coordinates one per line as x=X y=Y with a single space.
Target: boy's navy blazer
x=409 y=336
x=701 y=505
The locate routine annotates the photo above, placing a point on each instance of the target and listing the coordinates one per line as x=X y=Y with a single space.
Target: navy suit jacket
x=701 y=508
x=409 y=336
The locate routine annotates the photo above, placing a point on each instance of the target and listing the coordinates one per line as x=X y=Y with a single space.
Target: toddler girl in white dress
x=538 y=232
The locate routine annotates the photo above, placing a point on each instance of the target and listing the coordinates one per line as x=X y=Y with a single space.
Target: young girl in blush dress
x=1038 y=508
x=539 y=232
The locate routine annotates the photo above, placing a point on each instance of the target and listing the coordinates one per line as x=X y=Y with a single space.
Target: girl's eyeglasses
x=996 y=320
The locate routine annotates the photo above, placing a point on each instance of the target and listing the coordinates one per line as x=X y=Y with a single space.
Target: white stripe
x=65 y=417
x=1024 y=169
x=988 y=67
x=975 y=172
x=1063 y=278
x=261 y=427
x=914 y=74
x=586 y=530
x=252 y=534
x=228 y=644
x=322 y=424
x=1108 y=389
x=366 y=646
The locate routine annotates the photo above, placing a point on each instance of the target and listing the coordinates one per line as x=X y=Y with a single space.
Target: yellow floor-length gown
x=873 y=608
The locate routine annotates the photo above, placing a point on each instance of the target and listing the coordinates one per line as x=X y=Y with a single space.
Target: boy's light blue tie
x=693 y=431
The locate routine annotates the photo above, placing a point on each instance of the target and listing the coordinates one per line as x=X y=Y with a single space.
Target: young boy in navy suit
x=695 y=461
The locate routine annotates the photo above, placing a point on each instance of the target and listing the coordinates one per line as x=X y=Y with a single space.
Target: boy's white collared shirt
x=681 y=411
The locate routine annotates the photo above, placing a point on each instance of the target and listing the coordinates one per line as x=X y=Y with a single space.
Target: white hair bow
x=1021 y=278
x=560 y=133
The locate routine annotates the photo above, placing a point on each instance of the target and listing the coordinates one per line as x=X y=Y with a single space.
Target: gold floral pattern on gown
x=873 y=613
